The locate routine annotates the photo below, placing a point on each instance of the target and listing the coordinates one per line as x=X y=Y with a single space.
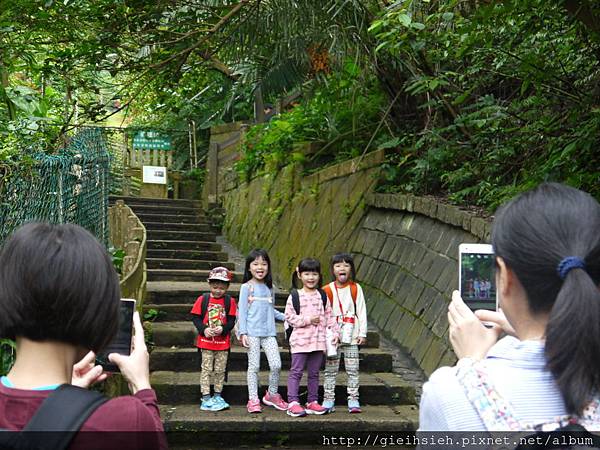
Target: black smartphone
x=122 y=341
x=477 y=278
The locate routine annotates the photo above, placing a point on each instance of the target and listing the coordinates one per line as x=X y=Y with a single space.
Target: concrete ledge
x=449 y=214
x=346 y=168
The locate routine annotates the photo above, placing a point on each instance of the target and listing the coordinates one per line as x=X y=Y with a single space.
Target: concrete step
x=156 y=201
x=172 y=210
x=188 y=293
x=172 y=244
x=182 y=218
x=179 y=275
x=186 y=426
x=375 y=388
x=159 y=226
x=188 y=359
x=185 y=264
x=194 y=236
x=188 y=254
x=183 y=333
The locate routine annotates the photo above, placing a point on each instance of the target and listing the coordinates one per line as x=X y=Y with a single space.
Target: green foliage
x=341 y=114
x=117 y=255
x=506 y=97
x=7 y=355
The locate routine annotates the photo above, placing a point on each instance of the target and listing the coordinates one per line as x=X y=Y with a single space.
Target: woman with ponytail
x=545 y=373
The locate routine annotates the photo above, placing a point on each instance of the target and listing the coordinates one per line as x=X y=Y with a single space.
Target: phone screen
x=478 y=281
x=122 y=341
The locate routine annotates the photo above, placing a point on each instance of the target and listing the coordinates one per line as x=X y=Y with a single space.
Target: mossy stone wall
x=405 y=247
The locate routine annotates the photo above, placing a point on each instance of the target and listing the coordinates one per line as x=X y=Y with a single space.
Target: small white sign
x=154 y=175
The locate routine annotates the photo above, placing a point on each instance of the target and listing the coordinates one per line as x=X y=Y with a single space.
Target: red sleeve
x=197 y=308
x=232 y=308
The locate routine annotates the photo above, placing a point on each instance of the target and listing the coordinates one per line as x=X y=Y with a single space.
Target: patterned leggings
x=332 y=367
x=210 y=359
x=271 y=348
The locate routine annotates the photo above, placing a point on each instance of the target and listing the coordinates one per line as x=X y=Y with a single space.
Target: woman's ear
x=505 y=278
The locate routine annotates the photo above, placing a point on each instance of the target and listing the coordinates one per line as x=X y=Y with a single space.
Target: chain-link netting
x=70 y=187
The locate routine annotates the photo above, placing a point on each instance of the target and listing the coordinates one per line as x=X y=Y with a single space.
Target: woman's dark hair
x=307 y=265
x=254 y=254
x=58 y=283
x=533 y=233
x=343 y=258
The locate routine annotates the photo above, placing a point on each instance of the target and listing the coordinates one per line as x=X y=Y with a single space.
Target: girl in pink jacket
x=308 y=318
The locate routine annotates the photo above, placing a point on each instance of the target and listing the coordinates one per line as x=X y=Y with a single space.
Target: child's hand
x=218 y=331
x=209 y=332
x=315 y=320
x=245 y=341
x=361 y=340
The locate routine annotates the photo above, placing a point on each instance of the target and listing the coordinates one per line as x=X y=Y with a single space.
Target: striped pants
x=332 y=367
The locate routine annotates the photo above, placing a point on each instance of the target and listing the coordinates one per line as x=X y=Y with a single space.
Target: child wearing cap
x=214 y=314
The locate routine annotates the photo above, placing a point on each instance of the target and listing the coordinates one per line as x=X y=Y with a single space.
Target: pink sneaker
x=254 y=406
x=275 y=401
x=315 y=408
x=295 y=410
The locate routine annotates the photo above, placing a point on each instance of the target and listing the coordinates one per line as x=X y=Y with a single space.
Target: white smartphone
x=122 y=341
x=476 y=276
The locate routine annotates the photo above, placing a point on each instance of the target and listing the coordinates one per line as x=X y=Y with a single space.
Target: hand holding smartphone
x=476 y=278
x=122 y=342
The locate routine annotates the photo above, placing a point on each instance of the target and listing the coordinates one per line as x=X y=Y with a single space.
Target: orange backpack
x=353 y=292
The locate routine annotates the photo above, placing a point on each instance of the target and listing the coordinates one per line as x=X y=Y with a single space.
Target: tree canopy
x=476 y=100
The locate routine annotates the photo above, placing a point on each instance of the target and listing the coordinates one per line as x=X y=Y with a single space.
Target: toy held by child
x=348 y=304
x=256 y=316
x=309 y=315
x=214 y=317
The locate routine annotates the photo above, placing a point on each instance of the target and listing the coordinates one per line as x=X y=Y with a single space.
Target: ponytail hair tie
x=568 y=263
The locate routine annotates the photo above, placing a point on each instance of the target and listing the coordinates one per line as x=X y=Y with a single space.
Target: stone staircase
x=181 y=248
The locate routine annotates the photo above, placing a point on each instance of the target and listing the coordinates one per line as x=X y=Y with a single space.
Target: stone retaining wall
x=406 y=247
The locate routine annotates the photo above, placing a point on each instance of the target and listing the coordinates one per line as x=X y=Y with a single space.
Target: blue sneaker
x=208 y=404
x=219 y=404
x=330 y=405
x=354 y=406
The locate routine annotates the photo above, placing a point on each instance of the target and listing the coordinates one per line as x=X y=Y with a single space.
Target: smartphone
x=122 y=341
x=476 y=276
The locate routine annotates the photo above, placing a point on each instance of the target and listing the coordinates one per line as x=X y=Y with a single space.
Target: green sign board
x=151 y=140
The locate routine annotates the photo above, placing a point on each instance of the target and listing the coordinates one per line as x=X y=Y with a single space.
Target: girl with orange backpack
x=348 y=305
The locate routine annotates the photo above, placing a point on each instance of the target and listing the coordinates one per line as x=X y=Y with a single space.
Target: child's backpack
x=296 y=305
x=57 y=420
x=498 y=415
x=353 y=292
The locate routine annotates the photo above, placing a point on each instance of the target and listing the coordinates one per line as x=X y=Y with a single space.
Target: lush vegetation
x=474 y=100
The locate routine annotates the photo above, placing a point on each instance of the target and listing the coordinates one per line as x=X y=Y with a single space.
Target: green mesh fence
x=70 y=187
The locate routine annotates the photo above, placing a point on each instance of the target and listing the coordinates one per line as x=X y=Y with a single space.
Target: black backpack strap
x=62 y=413
x=324 y=298
x=295 y=300
x=204 y=306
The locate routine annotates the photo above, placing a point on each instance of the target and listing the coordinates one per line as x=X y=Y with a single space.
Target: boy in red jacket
x=214 y=317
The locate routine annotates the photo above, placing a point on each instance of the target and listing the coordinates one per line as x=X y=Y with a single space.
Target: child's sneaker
x=315 y=408
x=275 y=401
x=219 y=403
x=354 y=406
x=253 y=406
x=207 y=405
x=329 y=405
x=295 y=410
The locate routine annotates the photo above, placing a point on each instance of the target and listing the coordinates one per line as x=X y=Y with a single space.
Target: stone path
x=182 y=247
